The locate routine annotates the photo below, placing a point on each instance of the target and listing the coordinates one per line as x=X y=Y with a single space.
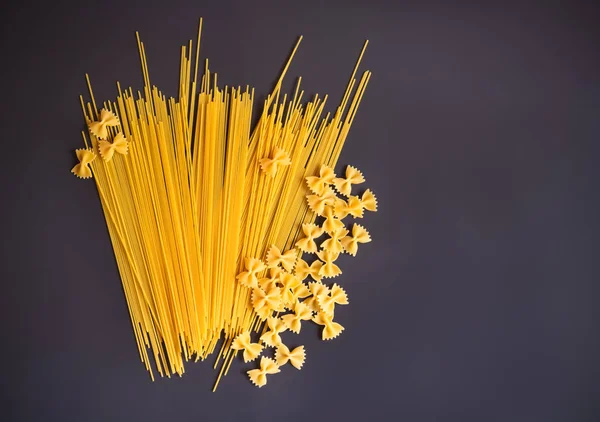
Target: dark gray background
x=478 y=132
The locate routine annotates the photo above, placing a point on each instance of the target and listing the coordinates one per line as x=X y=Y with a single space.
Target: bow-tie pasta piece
x=266 y=302
x=100 y=128
x=279 y=158
x=329 y=269
x=353 y=207
x=318 y=289
x=312 y=304
x=331 y=329
x=266 y=283
x=359 y=235
x=296 y=357
x=272 y=336
x=289 y=284
x=331 y=224
x=368 y=201
x=274 y=279
x=293 y=321
x=318 y=184
x=303 y=270
x=275 y=272
x=249 y=277
x=337 y=295
x=353 y=177
x=258 y=376
x=108 y=149
x=286 y=260
x=334 y=244
x=311 y=232
x=301 y=291
x=82 y=169
x=317 y=203
x=243 y=342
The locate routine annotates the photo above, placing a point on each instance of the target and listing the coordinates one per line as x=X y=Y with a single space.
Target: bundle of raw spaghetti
x=209 y=218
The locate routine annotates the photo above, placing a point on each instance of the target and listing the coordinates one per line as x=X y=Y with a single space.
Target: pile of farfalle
x=107 y=148
x=291 y=287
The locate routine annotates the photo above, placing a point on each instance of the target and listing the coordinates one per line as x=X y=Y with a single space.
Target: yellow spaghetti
x=191 y=191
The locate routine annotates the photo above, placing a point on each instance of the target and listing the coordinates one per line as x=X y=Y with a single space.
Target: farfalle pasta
x=317 y=203
x=293 y=321
x=319 y=184
x=353 y=207
x=312 y=304
x=249 y=278
x=295 y=357
x=327 y=302
x=279 y=158
x=301 y=291
x=329 y=269
x=243 y=342
x=304 y=270
x=331 y=329
x=289 y=284
x=359 y=235
x=311 y=232
x=273 y=280
x=368 y=201
x=108 y=149
x=334 y=243
x=82 y=169
x=258 y=376
x=100 y=128
x=332 y=224
x=286 y=260
x=266 y=302
x=272 y=336
x=318 y=289
x=344 y=185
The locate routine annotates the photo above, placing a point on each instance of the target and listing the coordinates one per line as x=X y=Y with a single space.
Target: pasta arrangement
x=224 y=232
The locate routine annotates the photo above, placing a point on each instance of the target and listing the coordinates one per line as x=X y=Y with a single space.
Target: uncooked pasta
x=224 y=231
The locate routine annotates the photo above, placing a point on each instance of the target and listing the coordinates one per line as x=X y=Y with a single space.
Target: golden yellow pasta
x=353 y=207
x=293 y=321
x=318 y=184
x=329 y=269
x=359 y=235
x=272 y=336
x=100 y=128
x=209 y=214
x=276 y=258
x=344 y=185
x=249 y=278
x=82 y=169
x=296 y=357
x=331 y=224
x=279 y=159
x=311 y=232
x=267 y=367
x=336 y=295
x=334 y=243
x=331 y=329
x=243 y=342
x=107 y=149
x=368 y=201
x=304 y=270
x=317 y=203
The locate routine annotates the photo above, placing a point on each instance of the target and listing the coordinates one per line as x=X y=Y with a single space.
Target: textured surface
x=476 y=300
